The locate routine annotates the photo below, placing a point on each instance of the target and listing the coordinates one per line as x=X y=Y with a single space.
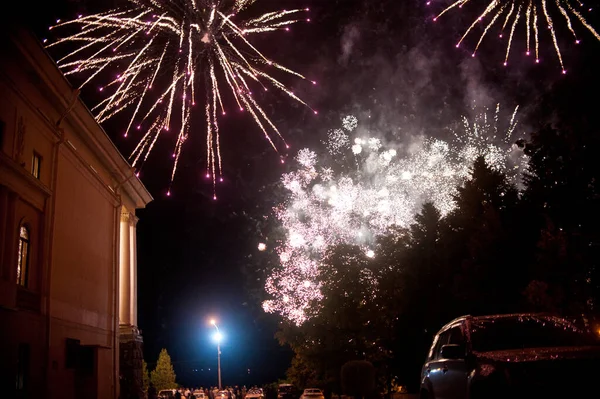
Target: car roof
x=491 y=317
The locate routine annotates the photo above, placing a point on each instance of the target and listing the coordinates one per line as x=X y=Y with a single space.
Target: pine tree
x=563 y=194
x=479 y=237
x=145 y=376
x=163 y=376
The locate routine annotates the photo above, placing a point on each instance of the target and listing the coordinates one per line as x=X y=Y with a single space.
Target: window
x=507 y=333
x=436 y=347
x=23 y=260
x=456 y=336
x=443 y=340
x=433 y=348
x=36 y=164
x=22 y=379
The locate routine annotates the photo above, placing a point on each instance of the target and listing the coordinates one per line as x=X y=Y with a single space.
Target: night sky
x=383 y=58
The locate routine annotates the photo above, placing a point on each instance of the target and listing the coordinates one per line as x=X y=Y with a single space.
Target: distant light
x=370 y=253
x=213 y=322
x=217 y=337
x=262 y=246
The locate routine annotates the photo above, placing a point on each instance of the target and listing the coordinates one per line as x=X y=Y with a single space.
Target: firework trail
x=506 y=15
x=167 y=57
x=330 y=203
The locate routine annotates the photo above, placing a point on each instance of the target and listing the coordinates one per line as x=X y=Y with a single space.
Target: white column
x=125 y=270
x=133 y=268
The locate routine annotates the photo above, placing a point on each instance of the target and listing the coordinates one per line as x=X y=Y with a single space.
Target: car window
x=436 y=347
x=456 y=336
x=432 y=349
x=444 y=337
x=506 y=333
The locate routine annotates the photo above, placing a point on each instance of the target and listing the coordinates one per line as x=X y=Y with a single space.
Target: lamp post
x=217 y=337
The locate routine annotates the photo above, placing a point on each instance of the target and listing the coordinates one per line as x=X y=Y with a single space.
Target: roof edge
x=80 y=115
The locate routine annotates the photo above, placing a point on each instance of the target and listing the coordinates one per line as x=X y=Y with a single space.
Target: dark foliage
x=499 y=251
x=358 y=378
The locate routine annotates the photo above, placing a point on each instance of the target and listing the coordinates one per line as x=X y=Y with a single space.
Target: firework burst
x=365 y=190
x=198 y=47
x=531 y=15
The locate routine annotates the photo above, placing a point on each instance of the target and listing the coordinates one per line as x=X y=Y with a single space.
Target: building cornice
x=82 y=119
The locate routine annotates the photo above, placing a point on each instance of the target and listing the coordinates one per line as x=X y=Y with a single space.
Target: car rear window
x=506 y=333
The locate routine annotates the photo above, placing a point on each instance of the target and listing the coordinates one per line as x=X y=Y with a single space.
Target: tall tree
x=163 y=376
x=358 y=378
x=303 y=374
x=563 y=194
x=479 y=239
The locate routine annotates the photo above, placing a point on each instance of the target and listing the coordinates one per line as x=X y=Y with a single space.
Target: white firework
x=330 y=204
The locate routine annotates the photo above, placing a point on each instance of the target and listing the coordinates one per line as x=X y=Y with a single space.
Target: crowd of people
x=208 y=393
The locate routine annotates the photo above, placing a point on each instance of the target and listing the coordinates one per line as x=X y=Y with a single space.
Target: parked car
x=198 y=394
x=255 y=393
x=312 y=393
x=224 y=395
x=287 y=391
x=511 y=356
x=166 y=393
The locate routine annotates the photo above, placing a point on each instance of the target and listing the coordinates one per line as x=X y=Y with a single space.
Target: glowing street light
x=218 y=337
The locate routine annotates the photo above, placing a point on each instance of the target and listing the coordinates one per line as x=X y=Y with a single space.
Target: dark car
x=287 y=391
x=512 y=356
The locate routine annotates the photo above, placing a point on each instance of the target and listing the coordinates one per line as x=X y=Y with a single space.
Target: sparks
x=335 y=202
x=164 y=53
x=513 y=12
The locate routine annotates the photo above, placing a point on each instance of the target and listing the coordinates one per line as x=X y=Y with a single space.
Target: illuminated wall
x=61 y=328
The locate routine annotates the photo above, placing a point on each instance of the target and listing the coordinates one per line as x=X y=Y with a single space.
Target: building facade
x=68 y=267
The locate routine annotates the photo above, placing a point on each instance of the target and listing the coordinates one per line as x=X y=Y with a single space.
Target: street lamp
x=218 y=337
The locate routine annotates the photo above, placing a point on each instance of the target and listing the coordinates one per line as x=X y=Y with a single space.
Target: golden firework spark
x=193 y=46
x=527 y=13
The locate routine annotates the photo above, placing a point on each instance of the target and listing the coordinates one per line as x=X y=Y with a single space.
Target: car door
x=452 y=378
x=434 y=367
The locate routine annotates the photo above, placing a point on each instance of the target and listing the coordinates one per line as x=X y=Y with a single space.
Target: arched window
x=23 y=261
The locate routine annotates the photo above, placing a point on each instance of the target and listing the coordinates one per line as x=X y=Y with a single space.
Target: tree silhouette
x=498 y=251
x=358 y=378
